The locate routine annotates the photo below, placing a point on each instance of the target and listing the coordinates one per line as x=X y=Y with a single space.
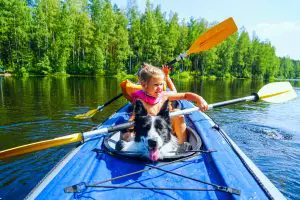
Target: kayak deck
x=223 y=167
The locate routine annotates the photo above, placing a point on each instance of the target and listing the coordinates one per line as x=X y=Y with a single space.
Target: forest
x=94 y=37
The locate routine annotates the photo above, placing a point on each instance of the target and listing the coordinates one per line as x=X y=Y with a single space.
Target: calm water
x=37 y=108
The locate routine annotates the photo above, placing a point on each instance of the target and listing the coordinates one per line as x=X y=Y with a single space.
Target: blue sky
x=275 y=20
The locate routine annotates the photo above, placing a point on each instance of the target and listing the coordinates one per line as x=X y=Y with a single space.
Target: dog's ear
x=164 y=111
x=139 y=109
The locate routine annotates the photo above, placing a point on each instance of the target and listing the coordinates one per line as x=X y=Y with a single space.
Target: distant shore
x=6 y=74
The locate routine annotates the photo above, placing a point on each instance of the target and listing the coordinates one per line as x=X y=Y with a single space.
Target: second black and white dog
x=153 y=134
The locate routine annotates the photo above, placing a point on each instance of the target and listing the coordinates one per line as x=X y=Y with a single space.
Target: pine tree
x=45 y=21
x=197 y=27
x=286 y=68
x=97 y=55
x=135 y=35
x=297 y=69
x=150 y=36
x=272 y=62
x=241 y=67
x=120 y=47
x=14 y=40
x=107 y=28
x=225 y=52
x=172 y=34
x=182 y=46
x=83 y=31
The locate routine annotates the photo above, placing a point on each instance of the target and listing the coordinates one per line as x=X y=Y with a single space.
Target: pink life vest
x=141 y=94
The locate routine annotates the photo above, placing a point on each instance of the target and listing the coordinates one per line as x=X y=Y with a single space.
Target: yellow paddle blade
x=277 y=92
x=76 y=137
x=213 y=36
x=87 y=115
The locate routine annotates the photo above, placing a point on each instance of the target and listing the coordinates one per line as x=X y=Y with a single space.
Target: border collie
x=153 y=134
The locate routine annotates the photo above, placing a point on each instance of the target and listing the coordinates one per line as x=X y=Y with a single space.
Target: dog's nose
x=152 y=143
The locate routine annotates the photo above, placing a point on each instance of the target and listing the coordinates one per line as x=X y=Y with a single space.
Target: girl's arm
x=201 y=103
x=169 y=81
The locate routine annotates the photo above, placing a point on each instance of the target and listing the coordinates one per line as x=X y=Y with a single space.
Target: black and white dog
x=153 y=134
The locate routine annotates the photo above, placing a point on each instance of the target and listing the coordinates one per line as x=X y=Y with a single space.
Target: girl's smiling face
x=154 y=86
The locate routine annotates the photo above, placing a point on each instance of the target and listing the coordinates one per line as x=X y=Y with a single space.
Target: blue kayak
x=218 y=170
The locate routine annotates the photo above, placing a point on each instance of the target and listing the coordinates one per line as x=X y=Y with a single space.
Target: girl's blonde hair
x=148 y=71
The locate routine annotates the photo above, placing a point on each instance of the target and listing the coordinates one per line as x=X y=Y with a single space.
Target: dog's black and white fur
x=152 y=134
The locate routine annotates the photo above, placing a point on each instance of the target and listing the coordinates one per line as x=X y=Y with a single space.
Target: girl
x=153 y=96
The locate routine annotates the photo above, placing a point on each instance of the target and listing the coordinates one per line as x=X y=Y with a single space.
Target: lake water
x=39 y=108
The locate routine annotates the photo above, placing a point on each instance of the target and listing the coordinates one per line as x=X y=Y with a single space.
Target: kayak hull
x=227 y=166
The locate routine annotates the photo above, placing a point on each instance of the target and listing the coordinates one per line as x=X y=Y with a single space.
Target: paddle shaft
x=28 y=148
x=253 y=97
x=109 y=102
x=124 y=126
x=180 y=57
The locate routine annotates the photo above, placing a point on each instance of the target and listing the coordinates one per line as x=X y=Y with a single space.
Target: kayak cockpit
x=193 y=139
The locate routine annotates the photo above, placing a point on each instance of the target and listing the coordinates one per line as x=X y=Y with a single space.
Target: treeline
x=94 y=37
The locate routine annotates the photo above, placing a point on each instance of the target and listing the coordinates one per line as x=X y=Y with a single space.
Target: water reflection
x=38 y=108
x=220 y=89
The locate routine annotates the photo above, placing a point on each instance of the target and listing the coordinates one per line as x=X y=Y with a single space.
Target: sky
x=277 y=21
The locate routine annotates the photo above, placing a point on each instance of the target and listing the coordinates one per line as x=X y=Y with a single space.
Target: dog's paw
x=182 y=148
x=120 y=145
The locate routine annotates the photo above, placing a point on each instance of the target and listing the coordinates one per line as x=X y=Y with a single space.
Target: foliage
x=183 y=76
x=94 y=37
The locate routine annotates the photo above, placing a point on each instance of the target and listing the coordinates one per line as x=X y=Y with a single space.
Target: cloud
x=284 y=35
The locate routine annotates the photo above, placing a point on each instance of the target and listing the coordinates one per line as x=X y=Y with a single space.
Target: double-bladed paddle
x=273 y=92
x=207 y=40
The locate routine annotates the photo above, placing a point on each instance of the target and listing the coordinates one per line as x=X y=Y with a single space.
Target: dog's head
x=152 y=131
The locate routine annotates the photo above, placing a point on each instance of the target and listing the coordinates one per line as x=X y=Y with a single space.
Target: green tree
x=172 y=35
x=297 y=69
x=45 y=22
x=150 y=36
x=83 y=29
x=254 y=57
x=15 y=31
x=225 y=52
x=265 y=63
x=182 y=45
x=97 y=55
x=199 y=61
x=272 y=62
x=241 y=66
x=135 y=35
x=120 y=48
x=65 y=37
x=107 y=24
x=286 y=69
x=163 y=39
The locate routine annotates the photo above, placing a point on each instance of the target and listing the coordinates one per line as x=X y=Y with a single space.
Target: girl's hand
x=166 y=69
x=202 y=104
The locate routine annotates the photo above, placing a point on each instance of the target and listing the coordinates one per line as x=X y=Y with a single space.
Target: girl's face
x=154 y=86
